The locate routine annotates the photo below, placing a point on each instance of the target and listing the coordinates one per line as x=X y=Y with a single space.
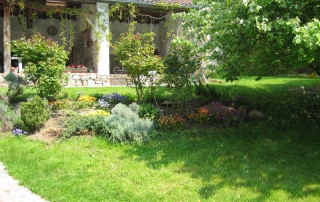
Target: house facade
x=82 y=48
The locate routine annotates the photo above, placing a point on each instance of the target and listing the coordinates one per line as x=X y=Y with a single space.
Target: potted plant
x=80 y=68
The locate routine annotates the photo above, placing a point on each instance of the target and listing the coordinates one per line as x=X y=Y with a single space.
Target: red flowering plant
x=76 y=66
x=171 y=122
x=81 y=66
x=200 y=116
x=217 y=113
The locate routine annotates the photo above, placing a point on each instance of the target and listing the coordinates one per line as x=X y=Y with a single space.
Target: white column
x=102 y=27
x=174 y=25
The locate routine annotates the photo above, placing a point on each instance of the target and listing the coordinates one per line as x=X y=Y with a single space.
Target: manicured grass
x=266 y=85
x=249 y=163
x=97 y=92
x=254 y=161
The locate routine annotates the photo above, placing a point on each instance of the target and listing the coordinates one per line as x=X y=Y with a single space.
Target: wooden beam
x=39 y=8
x=29 y=18
x=6 y=38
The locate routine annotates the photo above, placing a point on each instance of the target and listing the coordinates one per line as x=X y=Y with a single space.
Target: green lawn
x=253 y=161
x=245 y=164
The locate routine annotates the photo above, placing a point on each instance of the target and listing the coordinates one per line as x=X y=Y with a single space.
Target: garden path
x=11 y=191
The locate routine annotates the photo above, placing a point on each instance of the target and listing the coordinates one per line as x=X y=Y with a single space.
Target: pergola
x=11 y=7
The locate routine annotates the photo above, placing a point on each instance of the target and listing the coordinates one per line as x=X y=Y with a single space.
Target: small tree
x=136 y=54
x=44 y=64
x=180 y=65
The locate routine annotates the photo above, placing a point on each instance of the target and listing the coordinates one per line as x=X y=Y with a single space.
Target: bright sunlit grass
x=251 y=162
x=244 y=164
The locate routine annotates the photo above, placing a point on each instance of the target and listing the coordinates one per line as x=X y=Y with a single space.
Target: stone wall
x=87 y=80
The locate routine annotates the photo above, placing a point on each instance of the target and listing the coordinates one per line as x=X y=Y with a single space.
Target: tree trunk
x=6 y=38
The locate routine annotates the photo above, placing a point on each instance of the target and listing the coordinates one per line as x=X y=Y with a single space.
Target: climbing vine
x=118 y=11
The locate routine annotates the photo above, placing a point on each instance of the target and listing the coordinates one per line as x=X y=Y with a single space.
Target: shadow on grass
x=266 y=86
x=260 y=160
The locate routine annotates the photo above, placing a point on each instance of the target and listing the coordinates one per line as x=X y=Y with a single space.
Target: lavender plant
x=124 y=125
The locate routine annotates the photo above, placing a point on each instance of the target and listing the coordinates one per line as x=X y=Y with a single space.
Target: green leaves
x=257 y=37
x=44 y=64
x=135 y=51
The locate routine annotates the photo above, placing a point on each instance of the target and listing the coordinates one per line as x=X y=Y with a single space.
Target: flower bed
x=77 y=70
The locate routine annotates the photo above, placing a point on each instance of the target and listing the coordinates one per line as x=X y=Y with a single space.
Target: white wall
x=117 y=28
x=40 y=25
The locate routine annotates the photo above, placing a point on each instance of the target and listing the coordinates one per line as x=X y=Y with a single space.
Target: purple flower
x=110 y=100
x=19 y=132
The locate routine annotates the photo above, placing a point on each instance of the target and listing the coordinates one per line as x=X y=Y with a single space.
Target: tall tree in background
x=257 y=37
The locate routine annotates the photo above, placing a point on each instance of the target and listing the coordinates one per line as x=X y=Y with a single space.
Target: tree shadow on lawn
x=260 y=160
x=268 y=86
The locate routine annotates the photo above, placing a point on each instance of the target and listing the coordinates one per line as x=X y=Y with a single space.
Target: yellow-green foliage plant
x=34 y=113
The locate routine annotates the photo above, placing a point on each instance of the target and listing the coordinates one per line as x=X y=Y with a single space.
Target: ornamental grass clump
x=124 y=124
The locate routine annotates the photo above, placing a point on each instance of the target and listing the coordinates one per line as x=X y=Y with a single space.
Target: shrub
x=124 y=125
x=56 y=105
x=296 y=108
x=147 y=110
x=240 y=102
x=98 y=112
x=207 y=93
x=34 y=112
x=87 y=98
x=217 y=113
x=85 y=125
x=171 y=122
x=44 y=64
x=85 y=101
x=311 y=108
x=180 y=65
x=8 y=117
x=124 y=111
x=201 y=116
x=134 y=107
x=136 y=54
x=220 y=113
x=15 y=85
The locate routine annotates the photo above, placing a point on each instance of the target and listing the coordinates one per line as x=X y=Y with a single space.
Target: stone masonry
x=87 y=80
